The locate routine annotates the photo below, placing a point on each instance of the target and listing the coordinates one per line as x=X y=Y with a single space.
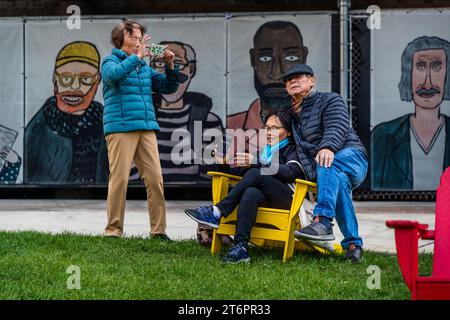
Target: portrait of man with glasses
x=180 y=110
x=64 y=140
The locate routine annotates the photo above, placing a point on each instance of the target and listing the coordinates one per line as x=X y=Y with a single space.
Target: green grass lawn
x=33 y=266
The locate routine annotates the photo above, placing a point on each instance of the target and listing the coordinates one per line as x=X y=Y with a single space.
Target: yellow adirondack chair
x=273 y=227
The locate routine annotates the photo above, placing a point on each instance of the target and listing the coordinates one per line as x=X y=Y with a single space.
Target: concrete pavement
x=89 y=217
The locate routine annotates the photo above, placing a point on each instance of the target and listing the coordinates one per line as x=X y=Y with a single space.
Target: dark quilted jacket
x=323 y=123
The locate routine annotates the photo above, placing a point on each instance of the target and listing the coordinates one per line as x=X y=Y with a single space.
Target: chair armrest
x=407 y=235
x=427 y=235
x=308 y=183
x=406 y=224
x=424 y=233
x=220 y=184
x=222 y=174
x=310 y=186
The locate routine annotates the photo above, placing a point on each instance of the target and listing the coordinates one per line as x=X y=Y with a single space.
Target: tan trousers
x=142 y=148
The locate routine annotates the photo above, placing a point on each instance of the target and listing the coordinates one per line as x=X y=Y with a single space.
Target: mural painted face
x=75 y=85
x=428 y=77
x=132 y=42
x=275 y=51
x=184 y=66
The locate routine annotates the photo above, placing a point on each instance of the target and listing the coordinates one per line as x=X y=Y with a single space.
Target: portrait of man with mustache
x=411 y=152
x=64 y=141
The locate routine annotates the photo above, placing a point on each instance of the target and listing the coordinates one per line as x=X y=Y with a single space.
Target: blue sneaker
x=204 y=215
x=237 y=254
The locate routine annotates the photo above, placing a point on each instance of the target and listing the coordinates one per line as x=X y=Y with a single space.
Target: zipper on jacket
x=138 y=69
x=296 y=138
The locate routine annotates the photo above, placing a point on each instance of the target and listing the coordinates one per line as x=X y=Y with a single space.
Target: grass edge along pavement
x=36 y=265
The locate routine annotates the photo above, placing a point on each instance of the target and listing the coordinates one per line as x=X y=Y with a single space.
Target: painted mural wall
x=410 y=124
x=51 y=91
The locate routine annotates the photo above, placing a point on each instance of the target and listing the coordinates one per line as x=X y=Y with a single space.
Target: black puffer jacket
x=289 y=167
x=323 y=123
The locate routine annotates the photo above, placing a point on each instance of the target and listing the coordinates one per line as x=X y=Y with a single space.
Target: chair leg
x=216 y=244
x=338 y=248
x=289 y=244
x=289 y=248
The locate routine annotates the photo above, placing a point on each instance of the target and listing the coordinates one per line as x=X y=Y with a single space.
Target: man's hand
x=142 y=53
x=325 y=157
x=168 y=57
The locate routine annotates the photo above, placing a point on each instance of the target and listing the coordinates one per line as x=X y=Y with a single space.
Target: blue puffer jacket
x=128 y=83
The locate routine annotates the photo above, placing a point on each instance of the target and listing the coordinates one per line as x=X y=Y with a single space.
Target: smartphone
x=157 y=49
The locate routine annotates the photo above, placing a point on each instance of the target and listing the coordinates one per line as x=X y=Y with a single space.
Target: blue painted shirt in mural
x=392 y=158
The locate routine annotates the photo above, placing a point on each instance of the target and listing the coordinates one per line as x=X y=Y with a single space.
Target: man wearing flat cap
x=330 y=153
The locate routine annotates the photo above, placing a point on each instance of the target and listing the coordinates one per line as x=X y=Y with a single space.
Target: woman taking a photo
x=130 y=125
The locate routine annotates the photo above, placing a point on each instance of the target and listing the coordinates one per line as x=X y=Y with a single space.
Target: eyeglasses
x=158 y=64
x=273 y=128
x=67 y=79
x=137 y=39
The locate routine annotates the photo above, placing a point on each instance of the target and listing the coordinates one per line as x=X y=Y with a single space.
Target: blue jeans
x=334 y=191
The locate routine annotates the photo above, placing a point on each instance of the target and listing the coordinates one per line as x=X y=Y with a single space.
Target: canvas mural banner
x=11 y=101
x=64 y=142
x=410 y=124
x=260 y=50
x=191 y=116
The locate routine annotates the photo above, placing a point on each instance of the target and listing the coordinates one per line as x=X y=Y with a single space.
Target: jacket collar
x=310 y=97
x=119 y=53
x=122 y=55
x=308 y=100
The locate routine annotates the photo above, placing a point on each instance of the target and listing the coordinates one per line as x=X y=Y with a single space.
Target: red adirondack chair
x=407 y=235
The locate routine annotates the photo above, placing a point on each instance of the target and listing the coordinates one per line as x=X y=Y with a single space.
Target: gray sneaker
x=354 y=253
x=316 y=231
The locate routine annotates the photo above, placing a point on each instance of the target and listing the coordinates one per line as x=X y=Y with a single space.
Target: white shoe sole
x=300 y=235
x=214 y=226
x=246 y=260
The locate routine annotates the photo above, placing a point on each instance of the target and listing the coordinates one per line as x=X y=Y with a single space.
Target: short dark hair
x=284 y=117
x=117 y=34
x=277 y=25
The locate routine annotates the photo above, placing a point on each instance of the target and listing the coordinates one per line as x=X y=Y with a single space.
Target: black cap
x=296 y=70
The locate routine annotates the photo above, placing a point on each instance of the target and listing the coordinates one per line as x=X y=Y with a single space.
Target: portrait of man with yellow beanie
x=64 y=141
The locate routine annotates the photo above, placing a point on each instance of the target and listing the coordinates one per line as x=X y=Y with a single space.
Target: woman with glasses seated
x=257 y=188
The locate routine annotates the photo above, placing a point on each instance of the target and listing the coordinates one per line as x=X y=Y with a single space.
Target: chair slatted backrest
x=441 y=263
